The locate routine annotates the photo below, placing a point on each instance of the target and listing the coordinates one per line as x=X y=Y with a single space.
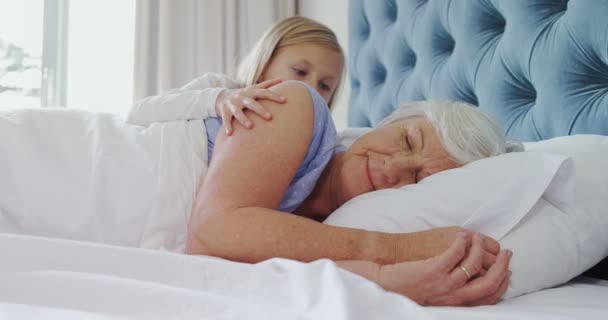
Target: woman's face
x=392 y=156
x=319 y=66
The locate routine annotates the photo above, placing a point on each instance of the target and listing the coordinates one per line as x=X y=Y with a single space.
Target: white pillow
x=524 y=200
x=590 y=155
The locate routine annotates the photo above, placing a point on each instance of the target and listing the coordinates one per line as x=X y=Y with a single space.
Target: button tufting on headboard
x=491 y=20
x=541 y=67
x=378 y=74
x=391 y=11
x=443 y=43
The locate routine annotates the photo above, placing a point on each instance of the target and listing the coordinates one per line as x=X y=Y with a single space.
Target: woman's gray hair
x=467 y=133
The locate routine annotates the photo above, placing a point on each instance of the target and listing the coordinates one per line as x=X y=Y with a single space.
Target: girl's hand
x=442 y=280
x=231 y=102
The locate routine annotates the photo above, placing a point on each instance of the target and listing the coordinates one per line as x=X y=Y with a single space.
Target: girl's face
x=392 y=156
x=319 y=66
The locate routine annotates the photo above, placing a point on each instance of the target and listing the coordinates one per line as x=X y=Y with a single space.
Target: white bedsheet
x=64 y=279
x=581 y=298
x=71 y=278
x=79 y=175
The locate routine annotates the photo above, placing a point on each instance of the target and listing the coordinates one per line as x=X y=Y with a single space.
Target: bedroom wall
x=334 y=15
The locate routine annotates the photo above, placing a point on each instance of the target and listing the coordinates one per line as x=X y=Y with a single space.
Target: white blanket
x=63 y=279
x=90 y=176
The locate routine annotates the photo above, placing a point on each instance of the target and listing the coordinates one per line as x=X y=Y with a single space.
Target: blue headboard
x=540 y=67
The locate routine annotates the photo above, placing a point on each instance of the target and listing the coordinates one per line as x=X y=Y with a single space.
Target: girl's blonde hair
x=287 y=32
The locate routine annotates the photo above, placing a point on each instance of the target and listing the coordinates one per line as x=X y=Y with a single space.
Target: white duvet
x=62 y=279
x=89 y=176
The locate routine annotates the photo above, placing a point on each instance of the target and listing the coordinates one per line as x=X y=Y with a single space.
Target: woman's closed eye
x=408 y=144
x=412 y=142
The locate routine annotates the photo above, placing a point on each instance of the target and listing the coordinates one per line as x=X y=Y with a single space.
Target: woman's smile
x=369 y=175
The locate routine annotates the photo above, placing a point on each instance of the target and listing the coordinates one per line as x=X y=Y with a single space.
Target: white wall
x=333 y=13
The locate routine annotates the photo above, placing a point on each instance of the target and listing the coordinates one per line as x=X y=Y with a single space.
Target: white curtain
x=176 y=41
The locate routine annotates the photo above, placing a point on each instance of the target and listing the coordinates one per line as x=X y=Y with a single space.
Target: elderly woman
x=292 y=166
x=91 y=177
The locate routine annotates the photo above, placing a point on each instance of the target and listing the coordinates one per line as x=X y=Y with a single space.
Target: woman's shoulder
x=315 y=96
x=304 y=111
x=296 y=113
x=306 y=93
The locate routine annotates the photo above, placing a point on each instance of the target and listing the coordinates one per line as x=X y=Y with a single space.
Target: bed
x=539 y=66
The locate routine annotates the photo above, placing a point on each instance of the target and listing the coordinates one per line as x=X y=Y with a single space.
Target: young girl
x=295 y=48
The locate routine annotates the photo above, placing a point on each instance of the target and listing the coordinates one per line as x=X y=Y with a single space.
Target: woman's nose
x=400 y=171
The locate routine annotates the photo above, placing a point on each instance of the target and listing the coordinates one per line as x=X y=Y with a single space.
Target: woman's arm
x=441 y=280
x=248 y=174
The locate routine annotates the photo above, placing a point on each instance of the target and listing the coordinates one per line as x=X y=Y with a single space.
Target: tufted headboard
x=539 y=66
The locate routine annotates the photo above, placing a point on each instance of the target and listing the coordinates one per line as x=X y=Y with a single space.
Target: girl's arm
x=211 y=95
x=195 y=100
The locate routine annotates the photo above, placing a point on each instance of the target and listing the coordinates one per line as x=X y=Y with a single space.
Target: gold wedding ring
x=466 y=272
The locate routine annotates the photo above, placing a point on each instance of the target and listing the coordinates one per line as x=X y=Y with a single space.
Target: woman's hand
x=430 y=243
x=231 y=102
x=453 y=278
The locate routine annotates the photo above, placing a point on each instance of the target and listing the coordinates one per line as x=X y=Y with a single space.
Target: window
x=58 y=53
x=20 y=52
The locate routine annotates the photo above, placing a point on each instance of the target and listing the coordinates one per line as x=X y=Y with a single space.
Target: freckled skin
x=392 y=156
